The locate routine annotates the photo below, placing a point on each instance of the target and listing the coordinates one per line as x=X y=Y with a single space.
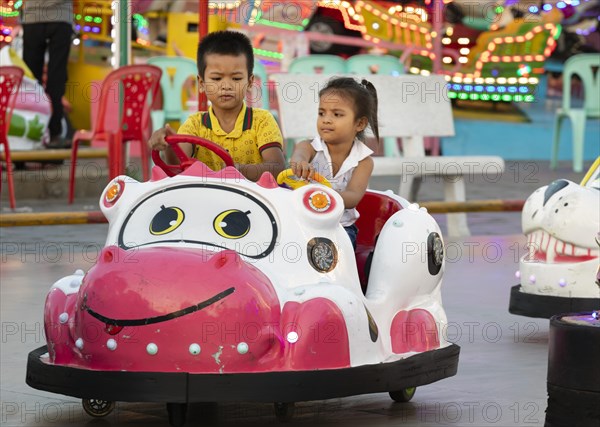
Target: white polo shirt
x=323 y=165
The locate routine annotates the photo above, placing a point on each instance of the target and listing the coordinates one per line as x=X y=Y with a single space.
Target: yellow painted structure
x=90 y=59
x=182 y=32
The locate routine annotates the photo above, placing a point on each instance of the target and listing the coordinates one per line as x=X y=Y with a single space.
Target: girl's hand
x=157 y=140
x=303 y=169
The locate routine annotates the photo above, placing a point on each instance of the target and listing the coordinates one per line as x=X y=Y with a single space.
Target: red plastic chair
x=10 y=81
x=132 y=84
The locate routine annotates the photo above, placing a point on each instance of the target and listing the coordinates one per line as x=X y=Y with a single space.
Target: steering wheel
x=184 y=160
x=288 y=178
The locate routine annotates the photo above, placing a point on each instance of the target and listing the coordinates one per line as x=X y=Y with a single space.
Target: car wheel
x=97 y=408
x=177 y=413
x=404 y=395
x=284 y=411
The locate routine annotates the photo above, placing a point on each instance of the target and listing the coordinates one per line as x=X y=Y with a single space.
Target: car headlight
x=322 y=254
x=435 y=253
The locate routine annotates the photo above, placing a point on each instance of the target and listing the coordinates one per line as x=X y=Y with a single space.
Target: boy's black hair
x=364 y=96
x=225 y=43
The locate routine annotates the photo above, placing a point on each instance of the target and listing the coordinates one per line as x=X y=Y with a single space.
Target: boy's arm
x=300 y=160
x=157 y=142
x=269 y=142
x=355 y=190
x=272 y=161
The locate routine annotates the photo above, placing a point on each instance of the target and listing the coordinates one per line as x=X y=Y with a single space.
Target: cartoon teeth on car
x=215 y=288
x=562 y=224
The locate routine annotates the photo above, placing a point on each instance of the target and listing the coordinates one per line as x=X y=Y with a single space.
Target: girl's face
x=225 y=81
x=337 y=123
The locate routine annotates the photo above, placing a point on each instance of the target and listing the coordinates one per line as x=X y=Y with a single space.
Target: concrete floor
x=501 y=378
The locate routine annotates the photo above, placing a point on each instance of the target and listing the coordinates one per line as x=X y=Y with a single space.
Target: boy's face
x=225 y=80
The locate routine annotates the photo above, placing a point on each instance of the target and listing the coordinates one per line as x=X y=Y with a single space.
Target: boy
x=251 y=135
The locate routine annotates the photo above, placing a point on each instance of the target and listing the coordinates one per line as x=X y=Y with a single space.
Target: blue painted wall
x=516 y=141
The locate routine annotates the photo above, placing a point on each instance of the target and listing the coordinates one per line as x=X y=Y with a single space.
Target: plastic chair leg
x=454 y=191
x=556 y=140
x=145 y=154
x=578 y=122
x=72 y=169
x=158 y=119
x=9 y=177
x=390 y=147
x=288 y=147
x=115 y=155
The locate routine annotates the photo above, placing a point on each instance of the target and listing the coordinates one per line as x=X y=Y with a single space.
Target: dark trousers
x=56 y=37
x=352 y=231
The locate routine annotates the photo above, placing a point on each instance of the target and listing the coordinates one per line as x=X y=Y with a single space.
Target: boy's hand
x=303 y=170
x=157 y=140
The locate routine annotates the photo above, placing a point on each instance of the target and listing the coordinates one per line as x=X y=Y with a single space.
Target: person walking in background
x=48 y=25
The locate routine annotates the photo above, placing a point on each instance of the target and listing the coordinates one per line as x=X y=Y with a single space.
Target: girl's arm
x=357 y=186
x=300 y=160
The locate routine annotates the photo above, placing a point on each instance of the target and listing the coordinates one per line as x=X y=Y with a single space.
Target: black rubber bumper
x=573 y=374
x=546 y=306
x=291 y=386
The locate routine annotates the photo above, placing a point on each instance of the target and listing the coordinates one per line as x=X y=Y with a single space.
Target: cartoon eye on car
x=561 y=221
x=214 y=288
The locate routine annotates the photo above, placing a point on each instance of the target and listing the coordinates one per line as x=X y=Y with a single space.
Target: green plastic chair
x=374 y=64
x=586 y=67
x=176 y=71
x=318 y=64
x=261 y=93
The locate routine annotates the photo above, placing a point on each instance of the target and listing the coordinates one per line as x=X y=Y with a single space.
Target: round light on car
x=435 y=253
x=113 y=193
x=322 y=254
x=319 y=201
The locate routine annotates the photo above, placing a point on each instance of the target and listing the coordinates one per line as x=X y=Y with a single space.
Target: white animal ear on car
x=321 y=206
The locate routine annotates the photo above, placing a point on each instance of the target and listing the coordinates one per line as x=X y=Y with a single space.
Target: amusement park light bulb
x=111 y=344
x=562 y=283
x=532 y=279
x=194 y=349
x=518 y=274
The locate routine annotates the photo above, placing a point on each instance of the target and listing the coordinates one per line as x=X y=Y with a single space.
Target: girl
x=346 y=108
